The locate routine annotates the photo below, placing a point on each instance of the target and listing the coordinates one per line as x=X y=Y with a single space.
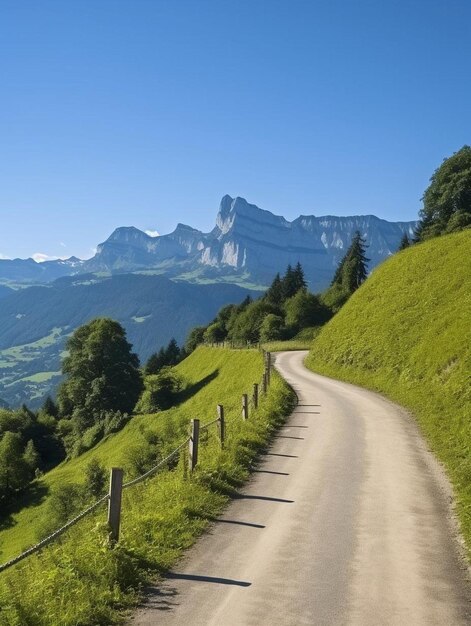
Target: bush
x=160 y=391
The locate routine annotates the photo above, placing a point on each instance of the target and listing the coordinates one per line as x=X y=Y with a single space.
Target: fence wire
x=41 y=544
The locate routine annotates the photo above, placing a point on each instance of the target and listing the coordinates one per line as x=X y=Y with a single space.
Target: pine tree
x=172 y=353
x=274 y=293
x=289 y=283
x=299 y=278
x=352 y=270
x=405 y=242
x=50 y=408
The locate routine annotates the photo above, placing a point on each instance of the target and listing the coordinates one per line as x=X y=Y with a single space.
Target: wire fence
x=190 y=445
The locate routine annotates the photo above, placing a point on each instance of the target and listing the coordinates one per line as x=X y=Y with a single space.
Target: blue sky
x=146 y=112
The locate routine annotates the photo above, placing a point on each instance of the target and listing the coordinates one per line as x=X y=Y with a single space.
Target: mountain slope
x=35 y=322
x=406 y=332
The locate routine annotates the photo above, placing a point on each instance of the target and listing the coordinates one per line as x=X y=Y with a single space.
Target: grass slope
x=407 y=333
x=80 y=581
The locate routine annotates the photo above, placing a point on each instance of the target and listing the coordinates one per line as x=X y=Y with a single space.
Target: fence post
x=221 y=424
x=114 y=503
x=245 y=407
x=255 y=395
x=194 y=441
x=268 y=367
x=264 y=383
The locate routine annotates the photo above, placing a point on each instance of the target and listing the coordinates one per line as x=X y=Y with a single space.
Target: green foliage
x=15 y=473
x=195 y=337
x=49 y=407
x=31 y=456
x=350 y=274
x=171 y=355
x=214 y=333
x=447 y=200
x=305 y=309
x=95 y=479
x=272 y=328
x=248 y=323
x=405 y=242
x=102 y=373
x=160 y=391
x=79 y=580
x=406 y=332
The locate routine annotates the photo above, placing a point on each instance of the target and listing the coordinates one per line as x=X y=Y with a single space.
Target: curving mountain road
x=346 y=521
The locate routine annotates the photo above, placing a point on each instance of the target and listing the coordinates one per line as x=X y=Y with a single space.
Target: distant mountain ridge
x=247 y=243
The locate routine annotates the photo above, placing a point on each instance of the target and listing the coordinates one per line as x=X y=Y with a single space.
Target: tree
x=172 y=353
x=299 y=278
x=289 y=283
x=160 y=391
x=49 y=407
x=352 y=271
x=405 y=242
x=194 y=338
x=102 y=372
x=14 y=471
x=95 y=478
x=31 y=456
x=247 y=324
x=214 y=333
x=272 y=328
x=447 y=200
x=155 y=362
x=304 y=309
x=274 y=293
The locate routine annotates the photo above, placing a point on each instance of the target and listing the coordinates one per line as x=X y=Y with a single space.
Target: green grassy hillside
x=79 y=580
x=407 y=333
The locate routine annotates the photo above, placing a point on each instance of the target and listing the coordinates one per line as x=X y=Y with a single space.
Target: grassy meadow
x=78 y=580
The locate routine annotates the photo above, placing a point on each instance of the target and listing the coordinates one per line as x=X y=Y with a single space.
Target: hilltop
x=406 y=332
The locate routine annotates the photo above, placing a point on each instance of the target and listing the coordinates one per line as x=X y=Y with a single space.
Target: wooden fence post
x=264 y=383
x=255 y=395
x=194 y=441
x=245 y=407
x=114 y=503
x=221 y=424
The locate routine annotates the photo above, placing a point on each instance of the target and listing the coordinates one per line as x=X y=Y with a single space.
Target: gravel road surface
x=346 y=521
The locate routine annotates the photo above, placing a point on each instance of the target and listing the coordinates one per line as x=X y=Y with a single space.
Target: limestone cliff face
x=259 y=243
x=246 y=240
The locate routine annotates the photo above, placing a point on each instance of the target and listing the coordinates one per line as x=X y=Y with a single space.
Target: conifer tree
x=50 y=408
x=405 y=242
x=299 y=278
x=274 y=293
x=353 y=268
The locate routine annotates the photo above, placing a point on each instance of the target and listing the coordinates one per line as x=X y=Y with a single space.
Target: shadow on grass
x=33 y=495
x=191 y=390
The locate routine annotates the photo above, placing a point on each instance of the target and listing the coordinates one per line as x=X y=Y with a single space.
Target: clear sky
x=146 y=112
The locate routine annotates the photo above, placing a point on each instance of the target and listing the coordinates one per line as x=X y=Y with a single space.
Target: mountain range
x=248 y=245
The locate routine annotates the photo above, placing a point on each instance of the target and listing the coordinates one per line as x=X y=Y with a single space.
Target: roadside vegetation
x=407 y=333
x=79 y=580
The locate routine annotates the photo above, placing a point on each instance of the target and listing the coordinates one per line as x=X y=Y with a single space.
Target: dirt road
x=346 y=521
